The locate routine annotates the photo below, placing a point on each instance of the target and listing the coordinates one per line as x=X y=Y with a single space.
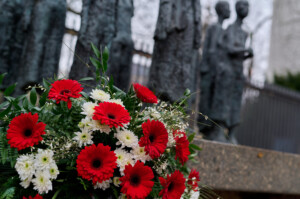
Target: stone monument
x=229 y=80
x=97 y=27
x=177 y=38
x=44 y=23
x=121 y=50
x=211 y=58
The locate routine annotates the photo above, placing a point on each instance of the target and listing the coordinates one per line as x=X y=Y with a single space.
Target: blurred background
x=271 y=99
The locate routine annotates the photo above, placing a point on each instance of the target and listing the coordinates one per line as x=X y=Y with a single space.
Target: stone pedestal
x=246 y=169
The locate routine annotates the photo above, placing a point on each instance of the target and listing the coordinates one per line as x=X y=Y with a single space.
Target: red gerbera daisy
x=96 y=163
x=194 y=178
x=155 y=138
x=25 y=131
x=111 y=114
x=144 y=94
x=63 y=90
x=173 y=186
x=182 y=147
x=137 y=182
x=37 y=196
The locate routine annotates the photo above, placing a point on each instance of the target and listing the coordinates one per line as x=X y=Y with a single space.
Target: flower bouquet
x=61 y=142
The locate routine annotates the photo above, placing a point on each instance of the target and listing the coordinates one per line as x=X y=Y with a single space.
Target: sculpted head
x=223 y=9
x=242 y=8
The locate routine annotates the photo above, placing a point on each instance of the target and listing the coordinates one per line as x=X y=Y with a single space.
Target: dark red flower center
x=110 y=116
x=151 y=138
x=171 y=186
x=62 y=92
x=27 y=132
x=135 y=180
x=96 y=163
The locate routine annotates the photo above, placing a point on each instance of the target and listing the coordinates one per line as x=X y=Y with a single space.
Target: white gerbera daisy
x=42 y=182
x=100 y=95
x=25 y=183
x=83 y=138
x=53 y=171
x=139 y=153
x=126 y=138
x=104 y=185
x=117 y=101
x=88 y=109
x=96 y=125
x=43 y=159
x=25 y=166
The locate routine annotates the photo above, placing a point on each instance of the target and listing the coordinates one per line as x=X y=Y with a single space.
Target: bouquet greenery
x=65 y=143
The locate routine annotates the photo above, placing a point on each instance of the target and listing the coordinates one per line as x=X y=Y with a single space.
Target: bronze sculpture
x=44 y=21
x=121 y=50
x=229 y=80
x=177 y=38
x=211 y=58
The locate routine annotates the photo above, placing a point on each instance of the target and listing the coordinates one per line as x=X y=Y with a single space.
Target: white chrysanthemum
x=123 y=159
x=96 y=125
x=104 y=185
x=139 y=153
x=126 y=138
x=43 y=159
x=25 y=183
x=25 y=166
x=53 y=171
x=88 y=109
x=100 y=95
x=86 y=123
x=195 y=194
x=42 y=182
x=122 y=196
x=117 y=101
x=116 y=181
x=83 y=138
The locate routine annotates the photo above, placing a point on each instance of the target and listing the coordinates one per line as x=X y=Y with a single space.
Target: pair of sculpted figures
x=221 y=71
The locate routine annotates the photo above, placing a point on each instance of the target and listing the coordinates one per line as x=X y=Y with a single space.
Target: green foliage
x=291 y=81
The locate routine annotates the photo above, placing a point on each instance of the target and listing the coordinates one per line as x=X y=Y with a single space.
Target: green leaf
x=86 y=79
x=9 y=90
x=25 y=103
x=84 y=94
x=46 y=84
x=4 y=104
x=191 y=137
x=33 y=96
x=96 y=51
x=193 y=146
x=2 y=77
x=43 y=99
x=105 y=54
x=6 y=111
x=95 y=62
x=111 y=83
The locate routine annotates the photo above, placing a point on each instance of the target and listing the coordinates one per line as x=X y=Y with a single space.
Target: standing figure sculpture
x=177 y=38
x=44 y=21
x=121 y=50
x=229 y=81
x=211 y=58
x=11 y=39
x=97 y=27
